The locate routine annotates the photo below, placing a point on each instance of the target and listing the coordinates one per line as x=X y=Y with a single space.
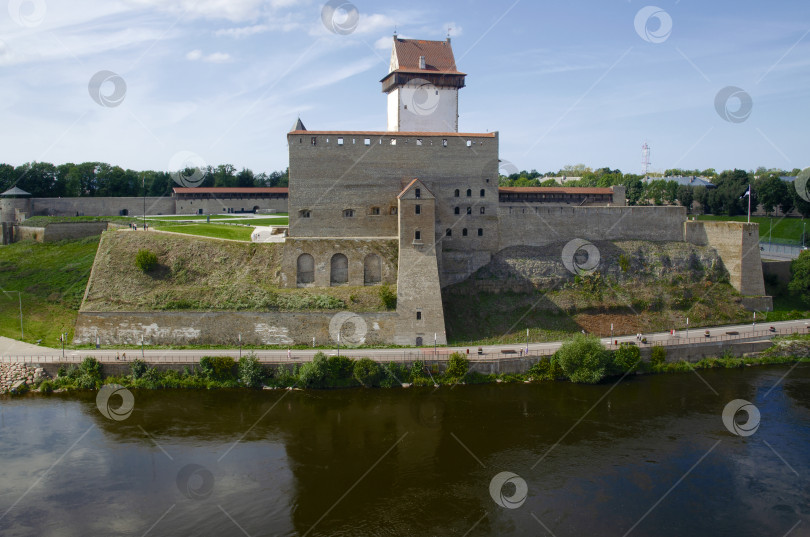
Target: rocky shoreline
x=12 y=376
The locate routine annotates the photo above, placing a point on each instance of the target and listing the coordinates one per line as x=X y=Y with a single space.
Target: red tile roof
x=395 y=134
x=553 y=190
x=438 y=56
x=231 y=190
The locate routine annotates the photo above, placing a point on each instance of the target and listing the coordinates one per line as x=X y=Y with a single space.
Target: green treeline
x=769 y=190
x=46 y=180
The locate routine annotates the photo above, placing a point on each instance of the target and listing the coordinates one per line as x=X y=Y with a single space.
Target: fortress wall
x=101 y=206
x=25 y=233
x=218 y=206
x=327 y=178
x=537 y=225
x=322 y=250
x=73 y=230
x=257 y=328
x=738 y=246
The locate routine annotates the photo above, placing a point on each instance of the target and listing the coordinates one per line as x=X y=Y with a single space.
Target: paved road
x=11 y=349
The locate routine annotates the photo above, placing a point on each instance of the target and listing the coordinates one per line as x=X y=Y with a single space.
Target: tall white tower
x=422 y=86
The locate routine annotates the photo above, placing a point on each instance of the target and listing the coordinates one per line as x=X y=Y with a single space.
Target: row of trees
x=769 y=190
x=46 y=180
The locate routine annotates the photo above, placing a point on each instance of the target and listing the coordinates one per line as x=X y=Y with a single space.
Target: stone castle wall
x=225 y=205
x=356 y=250
x=738 y=246
x=536 y=225
x=257 y=328
x=101 y=206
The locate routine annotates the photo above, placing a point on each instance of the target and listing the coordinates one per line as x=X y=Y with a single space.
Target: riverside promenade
x=683 y=344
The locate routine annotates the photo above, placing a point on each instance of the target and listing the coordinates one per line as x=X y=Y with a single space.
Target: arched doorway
x=305 y=269
x=372 y=269
x=339 y=272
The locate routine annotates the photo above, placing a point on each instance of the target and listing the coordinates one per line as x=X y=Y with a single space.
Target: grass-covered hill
x=638 y=287
x=195 y=273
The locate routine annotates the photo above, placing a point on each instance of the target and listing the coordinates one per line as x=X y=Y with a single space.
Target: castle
x=419 y=206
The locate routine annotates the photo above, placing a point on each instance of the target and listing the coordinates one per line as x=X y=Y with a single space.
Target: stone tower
x=422 y=86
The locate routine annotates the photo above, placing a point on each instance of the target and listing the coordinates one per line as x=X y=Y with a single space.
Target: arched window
x=464 y=232
x=339 y=272
x=480 y=232
x=372 y=269
x=306 y=269
x=457 y=193
x=457 y=210
x=483 y=192
x=449 y=232
x=469 y=192
x=469 y=210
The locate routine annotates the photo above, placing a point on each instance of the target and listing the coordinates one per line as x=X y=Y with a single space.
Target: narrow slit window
x=418 y=209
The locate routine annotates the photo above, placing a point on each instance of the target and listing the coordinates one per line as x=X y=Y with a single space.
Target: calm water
x=415 y=462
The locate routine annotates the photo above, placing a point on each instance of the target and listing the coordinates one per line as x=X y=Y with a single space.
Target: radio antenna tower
x=645 y=159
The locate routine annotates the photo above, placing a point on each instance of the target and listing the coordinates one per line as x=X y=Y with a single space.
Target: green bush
x=658 y=356
x=146 y=260
x=627 y=358
x=341 y=369
x=217 y=367
x=91 y=367
x=388 y=297
x=367 y=372
x=251 y=372
x=583 y=359
x=546 y=369
x=417 y=371
x=314 y=374
x=138 y=368
x=46 y=386
x=458 y=365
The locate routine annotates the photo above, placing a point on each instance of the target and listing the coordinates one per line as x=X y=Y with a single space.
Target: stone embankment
x=12 y=376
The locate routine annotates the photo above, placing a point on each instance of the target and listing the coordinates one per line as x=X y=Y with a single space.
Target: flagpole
x=749 y=203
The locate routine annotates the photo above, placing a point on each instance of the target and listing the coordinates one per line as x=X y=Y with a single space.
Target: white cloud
x=383 y=43
x=216 y=57
x=233 y=10
x=455 y=29
x=245 y=31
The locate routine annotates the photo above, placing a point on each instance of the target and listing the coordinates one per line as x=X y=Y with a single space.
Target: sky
x=143 y=84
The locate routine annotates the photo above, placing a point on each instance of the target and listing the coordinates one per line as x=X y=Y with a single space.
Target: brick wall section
x=202 y=328
x=536 y=225
x=322 y=250
x=737 y=243
x=101 y=206
x=418 y=289
x=218 y=206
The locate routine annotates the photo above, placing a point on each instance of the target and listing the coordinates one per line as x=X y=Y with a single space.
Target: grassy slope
x=785 y=230
x=218 y=231
x=52 y=278
x=205 y=274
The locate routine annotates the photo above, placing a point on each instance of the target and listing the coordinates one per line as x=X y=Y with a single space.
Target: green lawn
x=41 y=221
x=218 y=231
x=51 y=278
x=785 y=230
x=280 y=221
x=191 y=217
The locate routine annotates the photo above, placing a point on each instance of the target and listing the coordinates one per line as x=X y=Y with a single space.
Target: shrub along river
x=649 y=456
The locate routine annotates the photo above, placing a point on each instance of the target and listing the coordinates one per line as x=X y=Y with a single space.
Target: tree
x=583 y=359
x=686 y=195
x=800 y=276
x=772 y=192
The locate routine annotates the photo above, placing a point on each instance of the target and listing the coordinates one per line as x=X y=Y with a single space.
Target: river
x=649 y=456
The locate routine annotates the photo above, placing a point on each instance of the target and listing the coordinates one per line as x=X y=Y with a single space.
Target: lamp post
x=687 y=329
x=770 y=233
x=142 y=352
x=803 y=225
x=527 y=341
x=434 y=345
x=144 y=202
x=240 y=345
x=338 y=350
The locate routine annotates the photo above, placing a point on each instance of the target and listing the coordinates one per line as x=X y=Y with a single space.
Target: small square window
x=304 y=213
x=418 y=209
x=457 y=210
x=418 y=193
x=464 y=232
x=417 y=235
x=348 y=213
x=469 y=210
x=469 y=143
x=444 y=142
x=393 y=141
x=340 y=141
x=375 y=211
x=418 y=315
x=314 y=140
x=393 y=210
x=480 y=232
x=449 y=232
x=367 y=141
x=483 y=210
x=418 y=141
